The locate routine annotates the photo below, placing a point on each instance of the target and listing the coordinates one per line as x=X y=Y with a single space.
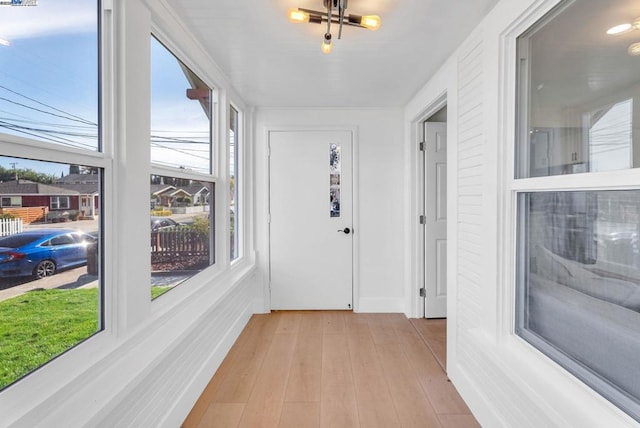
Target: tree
x=7 y=174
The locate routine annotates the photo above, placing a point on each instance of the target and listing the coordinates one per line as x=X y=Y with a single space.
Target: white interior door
x=435 y=185
x=311 y=250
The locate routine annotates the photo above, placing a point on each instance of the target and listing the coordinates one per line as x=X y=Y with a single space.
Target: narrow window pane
x=579 y=92
x=579 y=286
x=50 y=262
x=49 y=73
x=234 y=183
x=180 y=114
x=181 y=231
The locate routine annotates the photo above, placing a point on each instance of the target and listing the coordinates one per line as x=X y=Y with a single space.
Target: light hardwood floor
x=333 y=369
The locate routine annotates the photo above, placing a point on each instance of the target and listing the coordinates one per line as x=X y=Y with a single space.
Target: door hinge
x=423 y=219
x=423 y=292
x=422 y=146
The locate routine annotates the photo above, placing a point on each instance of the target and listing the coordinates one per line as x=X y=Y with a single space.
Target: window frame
x=238 y=183
x=55 y=200
x=168 y=171
x=512 y=130
x=11 y=199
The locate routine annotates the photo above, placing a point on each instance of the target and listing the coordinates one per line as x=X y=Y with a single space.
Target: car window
x=19 y=240
x=63 y=240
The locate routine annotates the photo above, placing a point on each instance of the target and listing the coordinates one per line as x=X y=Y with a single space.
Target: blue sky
x=48 y=86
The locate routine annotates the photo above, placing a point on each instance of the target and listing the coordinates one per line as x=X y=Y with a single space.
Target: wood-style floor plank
x=222 y=415
x=267 y=397
x=375 y=405
x=412 y=405
x=434 y=333
x=333 y=369
x=338 y=405
x=300 y=415
x=237 y=383
x=306 y=369
x=458 y=421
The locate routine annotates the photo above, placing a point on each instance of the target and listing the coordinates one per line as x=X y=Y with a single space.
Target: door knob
x=346 y=230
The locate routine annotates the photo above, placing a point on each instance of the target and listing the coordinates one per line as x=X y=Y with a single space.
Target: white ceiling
x=272 y=62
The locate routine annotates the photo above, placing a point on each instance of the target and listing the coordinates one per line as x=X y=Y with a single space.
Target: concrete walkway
x=76 y=278
x=72 y=278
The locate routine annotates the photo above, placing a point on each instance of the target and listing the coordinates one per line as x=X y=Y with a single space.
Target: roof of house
x=157 y=189
x=78 y=179
x=195 y=188
x=26 y=187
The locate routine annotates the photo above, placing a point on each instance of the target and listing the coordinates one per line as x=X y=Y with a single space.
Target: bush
x=7 y=216
x=200 y=225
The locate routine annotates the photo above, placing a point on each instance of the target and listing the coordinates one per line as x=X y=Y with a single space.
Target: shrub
x=200 y=225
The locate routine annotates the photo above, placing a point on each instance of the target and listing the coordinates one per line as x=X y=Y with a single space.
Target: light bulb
x=372 y=22
x=634 y=49
x=327 y=46
x=619 y=29
x=297 y=16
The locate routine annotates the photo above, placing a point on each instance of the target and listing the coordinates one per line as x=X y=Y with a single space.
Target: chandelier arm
x=329 y=13
x=341 y=7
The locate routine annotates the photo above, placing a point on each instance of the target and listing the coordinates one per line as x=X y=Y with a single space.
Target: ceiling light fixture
x=624 y=28
x=300 y=15
x=619 y=29
x=633 y=49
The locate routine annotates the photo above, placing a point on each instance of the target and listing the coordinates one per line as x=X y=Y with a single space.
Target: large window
x=182 y=184
x=578 y=241
x=50 y=248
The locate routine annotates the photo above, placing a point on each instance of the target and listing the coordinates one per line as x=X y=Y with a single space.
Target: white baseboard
x=381 y=305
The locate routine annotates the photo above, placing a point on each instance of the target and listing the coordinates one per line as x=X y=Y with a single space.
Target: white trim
x=380 y=305
x=417 y=190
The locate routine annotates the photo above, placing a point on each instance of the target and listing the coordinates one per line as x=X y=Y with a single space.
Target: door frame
x=355 y=260
x=417 y=191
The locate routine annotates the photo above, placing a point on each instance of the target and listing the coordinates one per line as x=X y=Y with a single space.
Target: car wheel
x=44 y=268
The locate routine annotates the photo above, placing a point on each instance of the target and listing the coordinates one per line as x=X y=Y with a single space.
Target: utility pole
x=15 y=172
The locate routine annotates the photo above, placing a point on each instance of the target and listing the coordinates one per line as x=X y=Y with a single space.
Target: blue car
x=41 y=253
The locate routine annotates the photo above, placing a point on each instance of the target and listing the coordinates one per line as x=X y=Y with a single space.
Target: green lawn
x=158 y=291
x=39 y=325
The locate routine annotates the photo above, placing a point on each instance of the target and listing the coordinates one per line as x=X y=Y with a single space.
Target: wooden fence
x=27 y=214
x=10 y=226
x=178 y=246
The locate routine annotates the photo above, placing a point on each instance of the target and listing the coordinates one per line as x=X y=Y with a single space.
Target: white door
x=435 y=185
x=310 y=202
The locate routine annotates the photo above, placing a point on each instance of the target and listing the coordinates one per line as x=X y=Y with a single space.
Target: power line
x=47 y=105
x=86 y=122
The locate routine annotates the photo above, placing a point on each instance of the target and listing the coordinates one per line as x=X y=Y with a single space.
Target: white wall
x=379 y=180
x=505 y=381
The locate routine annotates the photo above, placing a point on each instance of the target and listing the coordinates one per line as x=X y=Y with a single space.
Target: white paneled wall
x=470 y=171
